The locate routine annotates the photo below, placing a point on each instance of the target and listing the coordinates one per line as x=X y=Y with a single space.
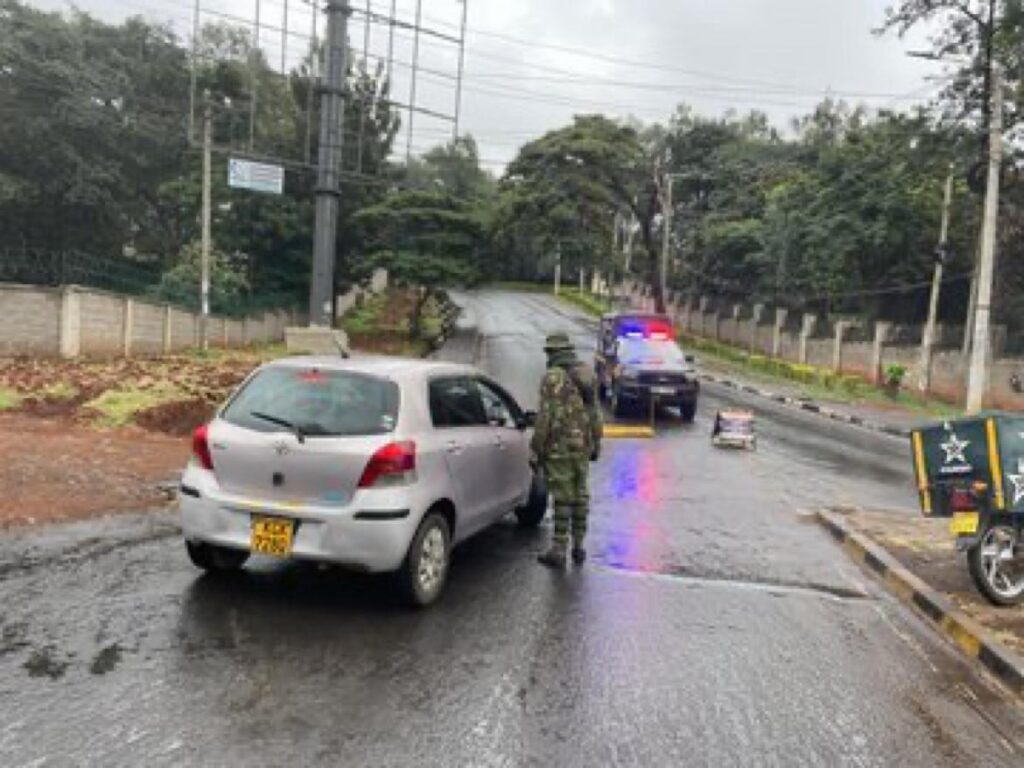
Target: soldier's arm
x=542 y=430
x=594 y=414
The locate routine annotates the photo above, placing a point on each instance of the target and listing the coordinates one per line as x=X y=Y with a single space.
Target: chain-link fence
x=39 y=266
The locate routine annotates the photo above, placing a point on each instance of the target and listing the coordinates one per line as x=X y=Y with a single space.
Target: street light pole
x=332 y=115
x=928 y=340
x=977 y=375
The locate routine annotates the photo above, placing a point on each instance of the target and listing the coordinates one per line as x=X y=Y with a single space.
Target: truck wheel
x=996 y=565
x=688 y=411
x=618 y=407
x=532 y=512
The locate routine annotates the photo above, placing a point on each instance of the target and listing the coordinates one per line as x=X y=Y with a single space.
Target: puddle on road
x=776 y=587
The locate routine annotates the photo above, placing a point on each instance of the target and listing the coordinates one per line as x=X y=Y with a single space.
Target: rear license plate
x=271 y=536
x=964 y=524
x=662 y=391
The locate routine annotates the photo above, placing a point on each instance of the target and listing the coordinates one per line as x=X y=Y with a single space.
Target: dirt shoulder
x=82 y=438
x=52 y=469
x=927 y=550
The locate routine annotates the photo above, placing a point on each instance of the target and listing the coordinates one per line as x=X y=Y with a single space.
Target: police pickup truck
x=639 y=365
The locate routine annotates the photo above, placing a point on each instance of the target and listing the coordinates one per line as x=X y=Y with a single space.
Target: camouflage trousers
x=567 y=483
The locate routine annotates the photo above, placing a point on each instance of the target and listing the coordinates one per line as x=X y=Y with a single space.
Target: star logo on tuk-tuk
x=1018 y=482
x=954 y=448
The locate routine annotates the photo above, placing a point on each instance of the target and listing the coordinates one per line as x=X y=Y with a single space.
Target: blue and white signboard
x=258 y=177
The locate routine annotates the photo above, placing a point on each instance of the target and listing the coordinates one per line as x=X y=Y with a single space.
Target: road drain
x=777 y=587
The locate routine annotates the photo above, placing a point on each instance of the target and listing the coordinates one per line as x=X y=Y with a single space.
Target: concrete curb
x=961 y=630
x=809 y=406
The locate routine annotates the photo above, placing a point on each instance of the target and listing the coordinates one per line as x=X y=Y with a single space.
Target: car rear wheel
x=215 y=559
x=532 y=513
x=425 y=571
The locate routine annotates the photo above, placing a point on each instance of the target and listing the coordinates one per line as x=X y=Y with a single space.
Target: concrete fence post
x=245 y=331
x=883 y=331
x=225 y=332
x=127 y=327
x=702 y=308
x=70 y=337
x=168 y=329
x=806 y=331
x=754 y=324
x=780 y=322
x=842 y=326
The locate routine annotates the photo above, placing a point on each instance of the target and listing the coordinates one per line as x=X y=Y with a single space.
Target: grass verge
x=813 y=382
x=9 y=399
x=590 y=303
x=119 y=407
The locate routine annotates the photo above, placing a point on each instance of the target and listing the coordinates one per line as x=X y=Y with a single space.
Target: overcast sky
x=531 y=64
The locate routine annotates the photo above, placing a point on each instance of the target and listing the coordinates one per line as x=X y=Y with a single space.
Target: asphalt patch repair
x=917 y=560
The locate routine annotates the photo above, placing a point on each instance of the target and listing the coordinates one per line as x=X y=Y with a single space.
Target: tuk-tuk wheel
x=996 y=565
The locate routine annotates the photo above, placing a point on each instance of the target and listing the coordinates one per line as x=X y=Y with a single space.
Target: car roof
x=383 y=366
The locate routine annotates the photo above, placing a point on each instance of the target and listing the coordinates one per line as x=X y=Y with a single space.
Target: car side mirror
x=528 y=420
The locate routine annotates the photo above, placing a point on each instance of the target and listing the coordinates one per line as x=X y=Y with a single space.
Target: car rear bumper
x=370 y=536
x=676 y=394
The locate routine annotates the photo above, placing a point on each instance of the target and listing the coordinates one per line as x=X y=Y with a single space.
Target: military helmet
x=557 y=342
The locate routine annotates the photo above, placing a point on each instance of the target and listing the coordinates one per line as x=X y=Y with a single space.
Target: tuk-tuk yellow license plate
x=964 y=523
x=271 y=536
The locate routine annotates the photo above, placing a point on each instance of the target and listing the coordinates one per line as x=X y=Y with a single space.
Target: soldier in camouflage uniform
x=567 y=437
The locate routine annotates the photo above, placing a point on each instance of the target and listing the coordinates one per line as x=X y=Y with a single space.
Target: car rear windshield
x=321 y=403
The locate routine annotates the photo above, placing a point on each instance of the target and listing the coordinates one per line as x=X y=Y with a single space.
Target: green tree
x=426 y=239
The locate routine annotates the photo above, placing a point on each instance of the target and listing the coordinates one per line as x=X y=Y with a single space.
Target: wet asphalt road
x=713 y=626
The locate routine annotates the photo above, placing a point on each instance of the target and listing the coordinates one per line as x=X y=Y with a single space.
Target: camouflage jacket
x=569 y=415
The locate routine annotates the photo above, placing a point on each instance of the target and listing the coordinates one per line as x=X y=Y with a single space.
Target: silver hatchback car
x=378 y=464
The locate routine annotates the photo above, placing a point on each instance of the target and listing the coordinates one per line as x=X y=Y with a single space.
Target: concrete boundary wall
x=73 y=321
x=847 y=345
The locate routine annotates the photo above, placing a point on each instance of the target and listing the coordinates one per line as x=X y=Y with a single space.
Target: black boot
x=554 y=557
x=579 y=555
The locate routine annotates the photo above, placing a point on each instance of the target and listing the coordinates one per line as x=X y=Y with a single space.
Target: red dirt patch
x=178 y=418
x=54 y=470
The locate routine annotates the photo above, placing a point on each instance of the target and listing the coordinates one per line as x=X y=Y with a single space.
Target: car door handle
x=454 y=447
x=499 y=441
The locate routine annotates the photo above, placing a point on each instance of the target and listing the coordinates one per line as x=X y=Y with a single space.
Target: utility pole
x=977 y=376
x=928 y=340
x=204 y=267
x=462 y=61
x=332 y=116
x=558 y=267
x=253 y=59
x=666 y=237
x=412 y=84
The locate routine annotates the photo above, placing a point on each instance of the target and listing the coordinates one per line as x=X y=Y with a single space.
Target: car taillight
x=962 y=500
x=392 y=464
x=201 y=447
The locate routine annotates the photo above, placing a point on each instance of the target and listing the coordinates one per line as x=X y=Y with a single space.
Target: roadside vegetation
x=400 y=321
x=836 y=212
x=811 y=382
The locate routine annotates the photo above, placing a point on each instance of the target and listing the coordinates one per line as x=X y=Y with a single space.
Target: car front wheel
x=425 y=571
x=215 y=559
x=532 y=512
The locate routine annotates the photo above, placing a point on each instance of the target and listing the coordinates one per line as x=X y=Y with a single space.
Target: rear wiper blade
x=299 y=433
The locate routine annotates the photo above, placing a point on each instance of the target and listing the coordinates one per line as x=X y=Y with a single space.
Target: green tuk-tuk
x=971 y=471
